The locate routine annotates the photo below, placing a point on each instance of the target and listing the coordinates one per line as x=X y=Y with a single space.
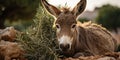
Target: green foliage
x=83 y=20
x=39 y=40
x=19 y=9
x=109 y=17
x=20 y=25
x=13 y=10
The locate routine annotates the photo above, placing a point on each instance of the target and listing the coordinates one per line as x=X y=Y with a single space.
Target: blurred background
x=17 y=13
x=20 y=13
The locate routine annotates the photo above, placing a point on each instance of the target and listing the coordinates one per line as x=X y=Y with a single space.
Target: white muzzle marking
x=65 y=40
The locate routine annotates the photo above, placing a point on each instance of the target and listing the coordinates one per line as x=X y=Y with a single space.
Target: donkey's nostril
x=64 y=47
x=61 y=46
x=67 y=46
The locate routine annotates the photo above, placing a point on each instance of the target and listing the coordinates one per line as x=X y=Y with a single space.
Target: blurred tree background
x=109 y=17
x=17 y=10
x=82 y=20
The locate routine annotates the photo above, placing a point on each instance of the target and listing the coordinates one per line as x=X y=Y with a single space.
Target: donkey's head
x=65 y=22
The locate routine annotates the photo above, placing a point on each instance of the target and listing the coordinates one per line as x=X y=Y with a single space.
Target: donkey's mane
x=65 y=9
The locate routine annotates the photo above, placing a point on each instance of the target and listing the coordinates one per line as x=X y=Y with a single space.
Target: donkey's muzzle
x=64 y=47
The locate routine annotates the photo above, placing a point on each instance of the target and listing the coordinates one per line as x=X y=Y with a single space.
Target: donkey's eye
x=57 y=26
x=73 y=26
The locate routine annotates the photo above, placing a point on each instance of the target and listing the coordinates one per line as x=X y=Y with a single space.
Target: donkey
x=75 y=38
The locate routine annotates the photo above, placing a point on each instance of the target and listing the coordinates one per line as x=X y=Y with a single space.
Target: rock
x=8 y=34
x=11 y=50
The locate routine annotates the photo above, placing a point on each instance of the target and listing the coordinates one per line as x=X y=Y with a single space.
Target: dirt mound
x=107 y=56
x=9 y=49
x=8 y=34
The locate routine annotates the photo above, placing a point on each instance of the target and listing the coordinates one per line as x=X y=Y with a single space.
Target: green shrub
x=109 y=17
x=39 y=40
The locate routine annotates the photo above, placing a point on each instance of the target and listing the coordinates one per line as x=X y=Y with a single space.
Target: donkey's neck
x=78 y=46
x=76 y=42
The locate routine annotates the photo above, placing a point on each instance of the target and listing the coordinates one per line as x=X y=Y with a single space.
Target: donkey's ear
x=50 y=8
x=79 y=8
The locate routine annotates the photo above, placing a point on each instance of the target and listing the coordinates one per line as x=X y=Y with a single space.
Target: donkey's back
x=96 y=39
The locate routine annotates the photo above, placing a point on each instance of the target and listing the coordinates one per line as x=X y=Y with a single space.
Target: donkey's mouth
x=64 y=53
x=65 y=50
x=67 y=53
